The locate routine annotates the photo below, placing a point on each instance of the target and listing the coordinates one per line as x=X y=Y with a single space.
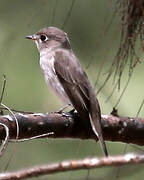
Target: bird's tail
x=95 y=119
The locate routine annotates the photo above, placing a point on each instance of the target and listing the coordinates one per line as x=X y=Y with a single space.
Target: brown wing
x=79 y=90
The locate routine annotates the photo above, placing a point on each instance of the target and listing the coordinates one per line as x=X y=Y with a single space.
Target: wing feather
x=79 y=90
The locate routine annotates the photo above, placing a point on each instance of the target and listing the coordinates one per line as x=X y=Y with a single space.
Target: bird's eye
x=43 y=38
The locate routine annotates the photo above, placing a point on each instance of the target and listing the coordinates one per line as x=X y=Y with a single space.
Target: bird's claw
x=63 y=108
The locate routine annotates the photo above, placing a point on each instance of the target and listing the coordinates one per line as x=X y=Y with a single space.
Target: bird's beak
x=32 y=37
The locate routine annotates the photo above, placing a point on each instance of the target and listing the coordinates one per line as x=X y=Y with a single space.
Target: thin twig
x=32 y=138
x=18 y=111
x=69 y=14
x=3 y=88
x=6 y=107
x=17 y=134
x=54 y=12
x=5 y=141
x=112 y=92
x=127 y=83
x=141 y=105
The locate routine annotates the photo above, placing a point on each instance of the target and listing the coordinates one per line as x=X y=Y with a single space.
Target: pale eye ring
x=43 y=38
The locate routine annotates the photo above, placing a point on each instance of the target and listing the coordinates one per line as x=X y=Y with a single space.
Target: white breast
x=47 y=67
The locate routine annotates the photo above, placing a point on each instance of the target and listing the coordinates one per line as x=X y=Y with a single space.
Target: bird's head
x=50 y=37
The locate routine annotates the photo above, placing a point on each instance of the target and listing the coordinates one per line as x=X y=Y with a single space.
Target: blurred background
x=94 y=32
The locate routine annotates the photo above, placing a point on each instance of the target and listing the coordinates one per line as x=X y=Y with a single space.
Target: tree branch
x=87 y=163
x=69 y=125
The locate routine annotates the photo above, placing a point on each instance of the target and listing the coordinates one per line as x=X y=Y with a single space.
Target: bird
x=65 y=76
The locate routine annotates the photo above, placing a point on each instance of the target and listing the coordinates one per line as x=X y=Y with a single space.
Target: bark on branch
x=69 y=125
x=87 y=163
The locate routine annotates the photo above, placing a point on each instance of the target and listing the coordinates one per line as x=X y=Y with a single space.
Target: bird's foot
x=72 y=111
x=68 y=114
x=63 y=108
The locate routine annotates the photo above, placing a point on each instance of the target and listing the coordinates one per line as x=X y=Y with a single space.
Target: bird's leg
x=63 y=108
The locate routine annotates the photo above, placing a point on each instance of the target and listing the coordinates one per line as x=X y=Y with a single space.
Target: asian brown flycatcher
x=66 y=77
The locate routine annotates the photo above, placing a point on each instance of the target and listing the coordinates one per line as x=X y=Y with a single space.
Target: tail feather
x=95 y=119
